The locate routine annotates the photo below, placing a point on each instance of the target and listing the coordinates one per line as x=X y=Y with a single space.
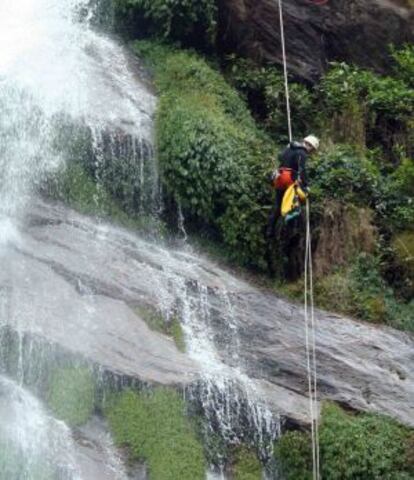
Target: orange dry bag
x=284 y=179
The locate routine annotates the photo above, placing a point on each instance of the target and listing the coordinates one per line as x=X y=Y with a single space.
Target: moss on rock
x=155 y=429
x=155 y=320
x=246 y=465
x=71 y=394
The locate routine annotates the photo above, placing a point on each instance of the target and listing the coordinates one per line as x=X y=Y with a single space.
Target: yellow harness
x=292 y=199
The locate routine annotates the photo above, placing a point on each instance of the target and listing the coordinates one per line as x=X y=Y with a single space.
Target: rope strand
x=309 y=339
x=308 y=356
x=282 y=38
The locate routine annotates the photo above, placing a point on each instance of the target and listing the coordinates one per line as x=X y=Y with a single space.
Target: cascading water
x=227 y=397
x=62 y=83
x=58 y=77
x=57 y=70
x=32 y=444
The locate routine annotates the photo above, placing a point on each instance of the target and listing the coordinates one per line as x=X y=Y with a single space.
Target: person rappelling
x=291 y=181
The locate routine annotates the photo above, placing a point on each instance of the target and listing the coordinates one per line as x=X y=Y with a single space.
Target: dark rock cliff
x=358 y=31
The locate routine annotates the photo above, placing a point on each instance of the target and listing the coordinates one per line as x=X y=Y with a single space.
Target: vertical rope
x=313 y=342
x=282 y=37
x=310 y=352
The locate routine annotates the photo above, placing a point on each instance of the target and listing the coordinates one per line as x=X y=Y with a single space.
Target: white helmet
x=312 y=141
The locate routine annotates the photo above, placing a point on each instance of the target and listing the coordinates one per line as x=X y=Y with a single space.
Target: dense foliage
x=360 y=290
x=352 y=447
x=156 y=430
x=246 y=465
x=382 y=105
x=404 y=59
x=264 y=90
x=189 y=21
x=214 y=158
x=350 y=104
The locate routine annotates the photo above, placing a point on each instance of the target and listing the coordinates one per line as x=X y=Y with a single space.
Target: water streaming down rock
x=230 y=401
x=61 y=84
x=33 y=445
x=59 y=77
x=57 y=70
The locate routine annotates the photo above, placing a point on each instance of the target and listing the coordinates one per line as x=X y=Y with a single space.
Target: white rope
x=282 y=38
x=308 y=354
x=309 y=339
x=314 y=394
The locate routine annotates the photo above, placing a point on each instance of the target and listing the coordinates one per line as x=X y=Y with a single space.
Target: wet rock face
x=357 y=31
x=76 y=283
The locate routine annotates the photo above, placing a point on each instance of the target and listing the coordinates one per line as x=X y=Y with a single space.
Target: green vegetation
x=190 y=21
x=383 y=106
x=341 y=172
x=404 y=59
x=294 y=455
x=359 y=290
x=171 y=327
x=264 y=90
x=71 y=394
x=246 y=465
x=354 y=447
x=213 y=157
x=215 y=160
x=155 y=429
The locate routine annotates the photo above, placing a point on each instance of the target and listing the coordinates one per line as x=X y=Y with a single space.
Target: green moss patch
x=246 y=465
x=155 y=320
x=155 y=429
x=352 y=447
x=71 y=394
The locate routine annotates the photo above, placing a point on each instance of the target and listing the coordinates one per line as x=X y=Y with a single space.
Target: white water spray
x=33 y=444
x=54 y=68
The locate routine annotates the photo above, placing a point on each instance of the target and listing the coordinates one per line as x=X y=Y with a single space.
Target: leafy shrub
x=384 y=103
x=397 y=196
x=72 y=395
x=360 y=290
x=246 y=465
x=344 y=83
x=264 y=89
x=212 y=155
x=175 y=19
x=155 y=429
x=294 y=455
x=361 y=447
x=404 y=59
x=354 y=447
x=343 y=173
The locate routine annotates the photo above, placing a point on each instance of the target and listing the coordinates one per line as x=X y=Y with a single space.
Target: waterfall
x=32 y=444
x=70 y=94
x=55 y=71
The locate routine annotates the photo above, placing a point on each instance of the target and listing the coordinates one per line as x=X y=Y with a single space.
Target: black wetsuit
x=294 y=157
